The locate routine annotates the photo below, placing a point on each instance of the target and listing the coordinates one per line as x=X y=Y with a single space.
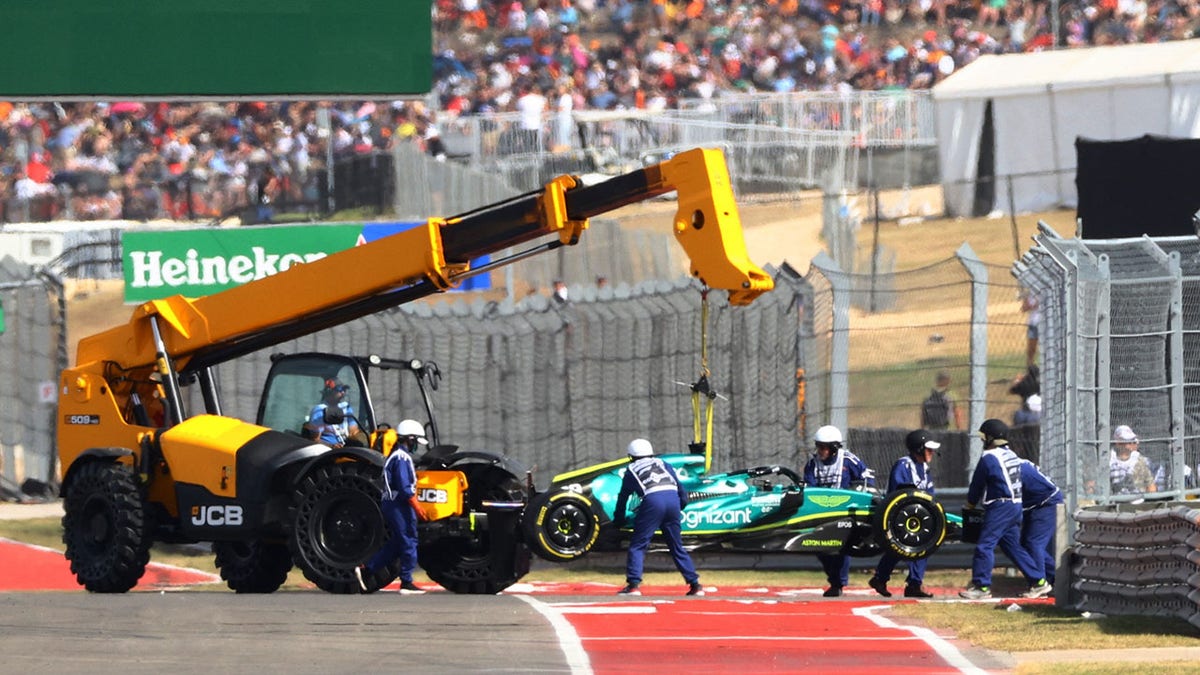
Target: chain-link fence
x=559 y=386
x=776 y=145
x=879 y=342
x=859 y=350
x=1119 y=347
x=31 y=355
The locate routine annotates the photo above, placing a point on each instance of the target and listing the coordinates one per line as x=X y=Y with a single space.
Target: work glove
x=417 y=507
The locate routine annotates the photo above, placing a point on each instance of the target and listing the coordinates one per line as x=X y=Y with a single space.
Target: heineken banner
x=195 y=263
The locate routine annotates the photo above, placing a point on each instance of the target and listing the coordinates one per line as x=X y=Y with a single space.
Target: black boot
x=880 y=586
x=916 y=591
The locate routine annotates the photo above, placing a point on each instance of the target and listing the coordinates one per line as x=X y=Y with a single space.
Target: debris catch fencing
x=562 y=386
x=32 y=352
x=1120 y=344
x=1142 y=562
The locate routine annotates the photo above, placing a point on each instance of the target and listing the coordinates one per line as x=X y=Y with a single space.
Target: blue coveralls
x=399 y=486
x=663 y=499
x=1040 y=498
x=996 y=485
x=331 y=434
x=906 y=473
x=841 y=471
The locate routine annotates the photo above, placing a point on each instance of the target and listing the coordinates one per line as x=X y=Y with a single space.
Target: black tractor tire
x=253 y=566
x=499 y=558
x=561 y=525
x=338 y=524
x=105 y=527
x=911 y=524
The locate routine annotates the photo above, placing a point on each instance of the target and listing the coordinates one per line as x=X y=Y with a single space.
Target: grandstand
x=558 y=62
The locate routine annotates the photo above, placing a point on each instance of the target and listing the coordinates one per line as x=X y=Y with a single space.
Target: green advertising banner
x=195 y=263
x=216 y=49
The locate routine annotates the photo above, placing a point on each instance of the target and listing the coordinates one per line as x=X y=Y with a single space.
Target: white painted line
x=568 y=639
x=5 y=540
x=942 y=647
x=820 y=592
x=602 y=603
x=605 y=609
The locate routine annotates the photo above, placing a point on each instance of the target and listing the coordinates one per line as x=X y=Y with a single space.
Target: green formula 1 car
x=761 y=509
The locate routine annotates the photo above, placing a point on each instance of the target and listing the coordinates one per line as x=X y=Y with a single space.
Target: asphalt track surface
x=48 y=624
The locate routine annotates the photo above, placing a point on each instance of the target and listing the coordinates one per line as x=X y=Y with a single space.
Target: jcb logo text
x=216 y=516
x=433 y=496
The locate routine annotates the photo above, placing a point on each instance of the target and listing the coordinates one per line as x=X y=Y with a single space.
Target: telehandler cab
x=454 y=485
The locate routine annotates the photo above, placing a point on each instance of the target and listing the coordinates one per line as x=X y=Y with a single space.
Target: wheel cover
x=98 y=526
x=568 y=526
x=913 y=525
x=560 y=525
x=338 y=525
x=341 y=530
x=237 y=554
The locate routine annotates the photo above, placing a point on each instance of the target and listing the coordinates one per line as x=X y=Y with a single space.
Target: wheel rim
x=338 y=525
x=240 y=552
x=567 y=526
x=343 y=530
x=99 y=528
x=914 y=525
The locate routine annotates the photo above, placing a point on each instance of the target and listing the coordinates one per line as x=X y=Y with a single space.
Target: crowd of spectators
x=133 y=160
x=539 y=58
x=608 y=54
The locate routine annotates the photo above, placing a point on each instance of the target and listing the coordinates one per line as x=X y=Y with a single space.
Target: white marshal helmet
x=414 y=429
x=639 y=447
x=829 y=435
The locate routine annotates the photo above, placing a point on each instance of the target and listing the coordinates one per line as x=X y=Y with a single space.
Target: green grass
x=1046 y=627
x=891 y=395
x=1102 y=668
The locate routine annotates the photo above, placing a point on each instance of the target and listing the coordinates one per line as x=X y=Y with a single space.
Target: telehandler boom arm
x=201 y=332
x=138 y=467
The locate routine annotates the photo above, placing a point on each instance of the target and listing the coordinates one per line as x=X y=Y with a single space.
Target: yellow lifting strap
x=702 y=387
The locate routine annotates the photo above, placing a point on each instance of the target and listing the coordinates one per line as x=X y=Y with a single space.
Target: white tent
x=1040 y=103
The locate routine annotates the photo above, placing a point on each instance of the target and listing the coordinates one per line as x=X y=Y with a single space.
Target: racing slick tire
x=338 y=524
x=496 y=557
x=911 y=524
x=253 y=566
x=561 y=525
x=104 y=527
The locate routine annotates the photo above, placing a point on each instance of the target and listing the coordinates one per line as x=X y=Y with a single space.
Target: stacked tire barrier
x=1138 y=562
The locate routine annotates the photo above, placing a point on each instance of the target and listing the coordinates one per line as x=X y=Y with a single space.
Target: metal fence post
x=839 y=366
x=978 y=350
x=1057 y=387
x=1103 y=385
x=54 y=284
x=1177 y=393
